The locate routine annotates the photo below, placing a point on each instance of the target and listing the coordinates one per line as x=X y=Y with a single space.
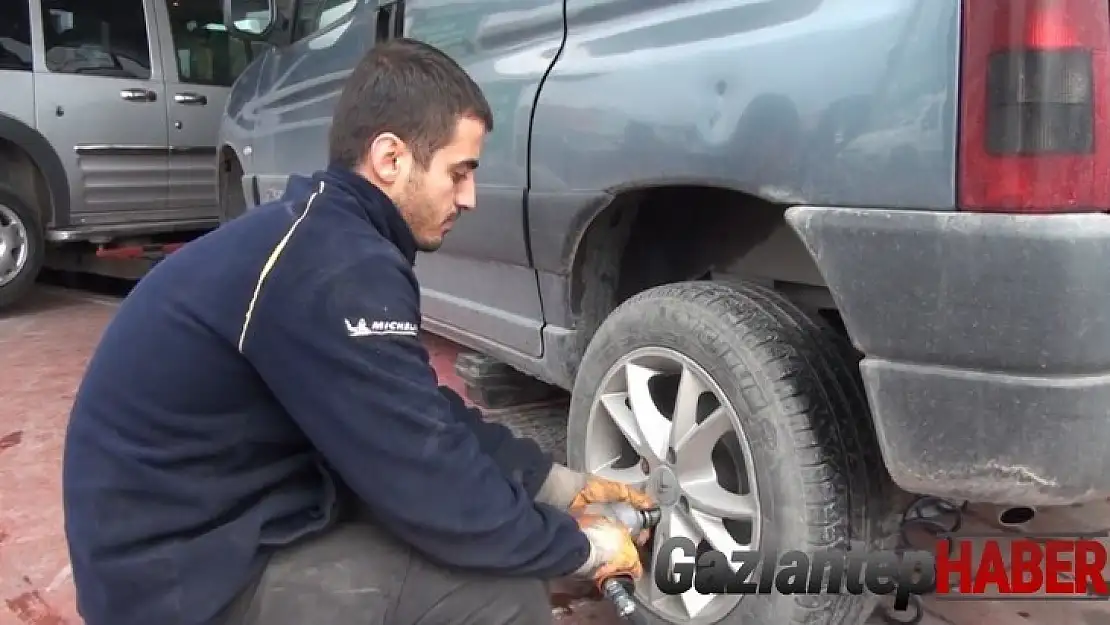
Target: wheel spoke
x=708 y=497
x=9 y=261
x=695 y=451
x=11 y=236
x=673 y=524
x=655 y=427
x=676 y=523
x=685 y=417
x=626 y=422
x=694 y=602
x=718 y=537
x=632 y=476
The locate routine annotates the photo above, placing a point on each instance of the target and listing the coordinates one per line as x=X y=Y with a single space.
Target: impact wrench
x=616 y=589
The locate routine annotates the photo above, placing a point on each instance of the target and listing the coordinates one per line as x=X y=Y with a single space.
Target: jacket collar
x=374 y=206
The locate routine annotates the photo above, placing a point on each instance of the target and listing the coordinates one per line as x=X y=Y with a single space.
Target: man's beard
x=417 y=207
x=428 y=246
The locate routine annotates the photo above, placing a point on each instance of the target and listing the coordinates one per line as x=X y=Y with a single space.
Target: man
x=259 y=438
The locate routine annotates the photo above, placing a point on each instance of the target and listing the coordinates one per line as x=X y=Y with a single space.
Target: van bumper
x=986 y=342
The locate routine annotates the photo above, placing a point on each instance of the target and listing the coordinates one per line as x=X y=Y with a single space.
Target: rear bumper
x=986 y=342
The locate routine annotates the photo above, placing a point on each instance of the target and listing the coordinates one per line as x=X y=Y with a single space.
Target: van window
x=96 y=37
x=205 y=54
x=316 y=15
x=15 y=35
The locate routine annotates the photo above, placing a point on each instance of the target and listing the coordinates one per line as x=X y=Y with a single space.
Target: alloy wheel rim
x=662 y=423
x=13 y=245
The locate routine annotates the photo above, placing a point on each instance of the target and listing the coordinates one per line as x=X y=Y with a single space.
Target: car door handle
x=138 y=95
x=190 y=98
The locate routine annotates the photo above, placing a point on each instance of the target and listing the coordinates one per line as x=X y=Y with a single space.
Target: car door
x=480 y=287
x=16 y=63
x=99 y=95
x=201 y=62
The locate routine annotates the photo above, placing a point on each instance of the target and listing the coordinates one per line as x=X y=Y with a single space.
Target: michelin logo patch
x=381 y=328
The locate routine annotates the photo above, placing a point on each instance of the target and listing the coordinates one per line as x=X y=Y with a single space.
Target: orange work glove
x=612 y=552
x=600 y=490
x=573 y=491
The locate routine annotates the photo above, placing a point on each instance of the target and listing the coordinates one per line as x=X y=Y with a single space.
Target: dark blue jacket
x=245 y=379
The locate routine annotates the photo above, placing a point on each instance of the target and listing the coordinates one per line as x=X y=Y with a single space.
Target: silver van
x=108 y=124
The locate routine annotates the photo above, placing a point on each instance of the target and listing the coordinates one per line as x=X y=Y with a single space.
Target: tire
x=819 y=476
x=232 y=201
x=13 y=207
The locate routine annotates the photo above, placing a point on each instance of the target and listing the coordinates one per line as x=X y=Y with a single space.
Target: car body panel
x=476 y=282
x=796 y=101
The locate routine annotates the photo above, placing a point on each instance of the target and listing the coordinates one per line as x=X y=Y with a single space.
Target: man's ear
x=388 y=157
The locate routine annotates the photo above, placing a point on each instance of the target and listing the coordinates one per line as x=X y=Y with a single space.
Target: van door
x=201 y=62
x=99 y=98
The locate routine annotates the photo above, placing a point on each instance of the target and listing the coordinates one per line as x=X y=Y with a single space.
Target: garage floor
x=43 y=349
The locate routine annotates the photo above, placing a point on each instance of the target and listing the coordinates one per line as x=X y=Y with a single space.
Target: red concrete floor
x=43 y=349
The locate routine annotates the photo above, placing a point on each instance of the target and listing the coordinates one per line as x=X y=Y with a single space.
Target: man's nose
x=466 y=198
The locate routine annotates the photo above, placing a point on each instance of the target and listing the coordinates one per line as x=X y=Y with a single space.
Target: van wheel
x=745 y=418
x=22 y=247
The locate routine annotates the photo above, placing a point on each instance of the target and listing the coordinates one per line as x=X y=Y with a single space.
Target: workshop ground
x=43 y=349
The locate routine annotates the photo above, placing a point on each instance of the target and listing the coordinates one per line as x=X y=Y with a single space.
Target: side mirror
x=252 y=20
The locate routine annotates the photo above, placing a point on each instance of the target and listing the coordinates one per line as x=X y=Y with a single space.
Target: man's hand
x=612 y=551
x=573 y=491
x=600 y=490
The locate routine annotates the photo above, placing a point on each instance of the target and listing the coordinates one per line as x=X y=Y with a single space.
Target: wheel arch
x=649 y=235
x=233 y=194
x=36 y=169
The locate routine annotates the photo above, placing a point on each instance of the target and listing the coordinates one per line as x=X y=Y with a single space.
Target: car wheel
x=745 y=418
x=22 y=247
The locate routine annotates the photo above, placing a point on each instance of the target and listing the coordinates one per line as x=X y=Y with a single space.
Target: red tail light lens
x=1033 y=106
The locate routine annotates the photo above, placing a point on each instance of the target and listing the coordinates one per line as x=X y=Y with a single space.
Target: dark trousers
x=356 y=574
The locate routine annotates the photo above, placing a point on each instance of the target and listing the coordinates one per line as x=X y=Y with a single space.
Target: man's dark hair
x=410 y=89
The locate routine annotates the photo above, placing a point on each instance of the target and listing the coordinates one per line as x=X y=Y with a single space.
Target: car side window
x=15 y=36
x=204 y=52
x=96 y=37
x=316 y=15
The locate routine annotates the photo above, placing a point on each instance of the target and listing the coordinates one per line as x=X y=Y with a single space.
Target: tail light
x=1035 y=106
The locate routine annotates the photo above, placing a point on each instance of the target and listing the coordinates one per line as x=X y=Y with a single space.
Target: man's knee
x=352 y=574
x=480 y=600
x=358 y=574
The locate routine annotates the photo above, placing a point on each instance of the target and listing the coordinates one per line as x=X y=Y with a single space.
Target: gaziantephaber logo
x=1066 y=567
x=988 y=567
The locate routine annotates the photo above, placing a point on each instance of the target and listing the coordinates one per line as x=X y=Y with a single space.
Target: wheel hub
x=664 y=487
